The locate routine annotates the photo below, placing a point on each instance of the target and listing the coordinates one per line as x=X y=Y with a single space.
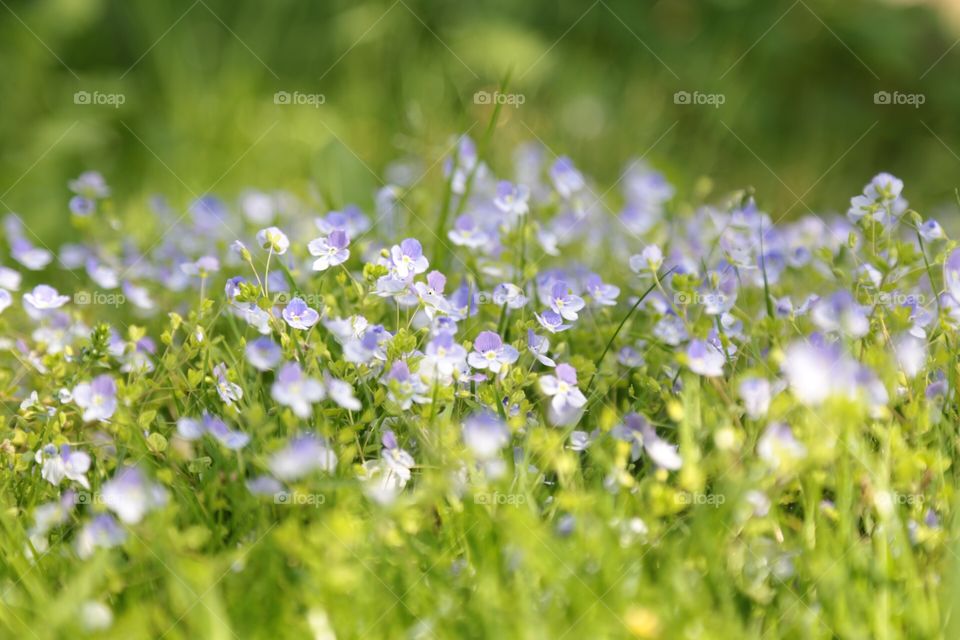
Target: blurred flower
x=304 y=454
x=65 y=463
x=263 y=354
x=97 y=398
x=295 y=390
x=130 y=495
x=274 y=240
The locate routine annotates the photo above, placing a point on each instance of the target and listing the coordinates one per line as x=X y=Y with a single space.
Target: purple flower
x=951 y=274
x=303 y=455
x=431 y=293
x=539 y=346
x=663 y=454
x=102 y=532
x=566 y=179
x=444 y=357
x=130 y=495
x=264 y=485
x=466 y=233
x=274 y=240
x=562 y=389
x=489 y=352
x=299 y=316
x=329 y=251
x=342 y=393
x=564 y=302
x=295 y=390
x=405 y=388
x=603 y=294
x=650 y=259
x=193 y=429
x=90 y=184
x=33 y=258
x=778 y=447
x=97 y=398
x=203 y=267
x=81 y=206
x=512 y=200
x=880 y=198
x=229 y=392
x=931 y=230
x=263 y=354
x=510 y=295
x=552 y=321
x=44 y=298
x=5 y=300
x=841 y=313
x=65 y=463
x=408 y=258
x=485 y=435
x=705 y=358
x=756 y=394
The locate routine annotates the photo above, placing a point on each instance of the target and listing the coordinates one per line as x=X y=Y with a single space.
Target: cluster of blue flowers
x=321 y=321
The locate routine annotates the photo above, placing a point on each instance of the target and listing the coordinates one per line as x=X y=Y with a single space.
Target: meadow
x=432 y=320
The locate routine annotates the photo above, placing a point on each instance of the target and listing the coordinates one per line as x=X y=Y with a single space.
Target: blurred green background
x=398 y=77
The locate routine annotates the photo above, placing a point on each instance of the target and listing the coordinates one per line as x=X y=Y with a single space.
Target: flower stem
x=624 y=321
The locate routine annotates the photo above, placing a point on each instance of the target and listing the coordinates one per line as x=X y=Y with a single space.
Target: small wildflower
x=274 y=240
x=299 y=316
x=295 y=390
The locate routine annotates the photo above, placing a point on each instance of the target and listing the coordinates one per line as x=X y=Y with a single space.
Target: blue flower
x=566 y=179
x=299 y=316
x=408 y=259
x=295 y=390
x=130 y=495
x=97 y=398
x=192 y=429
x=490 y=353
x=263 y=354
x=274 y=240
x=304 y=454
x=329 y=251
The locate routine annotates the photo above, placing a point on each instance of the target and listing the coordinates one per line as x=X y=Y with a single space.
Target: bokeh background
x=398 y=78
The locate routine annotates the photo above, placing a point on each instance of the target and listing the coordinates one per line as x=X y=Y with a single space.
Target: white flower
x=273 y=239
